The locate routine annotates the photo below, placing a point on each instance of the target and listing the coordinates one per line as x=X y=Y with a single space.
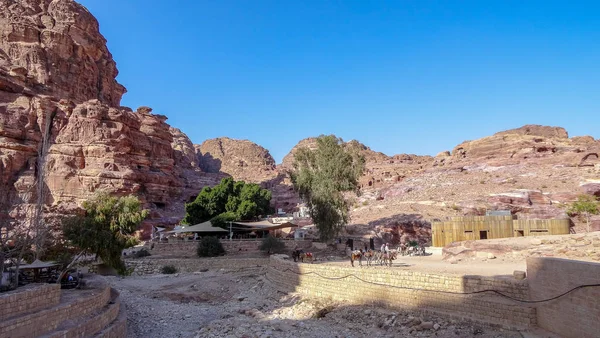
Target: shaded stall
x=262 y=228
x=201 y=229
x=37 y=271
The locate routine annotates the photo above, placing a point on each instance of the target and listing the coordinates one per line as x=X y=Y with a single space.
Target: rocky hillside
x=534 y=171
x=242 y=159
x=61 y=122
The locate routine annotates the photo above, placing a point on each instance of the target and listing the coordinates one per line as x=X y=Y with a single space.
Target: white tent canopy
x=265 y=225
x=202 y=227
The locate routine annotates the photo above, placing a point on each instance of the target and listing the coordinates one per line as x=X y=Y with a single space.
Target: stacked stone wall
x=151 y=266
x=575 y=315
x=28 y=299
x=188 y=248
x=408 y=289
x=40 y=322
x=88 y=327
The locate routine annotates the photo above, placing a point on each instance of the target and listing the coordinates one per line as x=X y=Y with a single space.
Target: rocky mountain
x=61 y=123
x=242 y=159
x=534 y=171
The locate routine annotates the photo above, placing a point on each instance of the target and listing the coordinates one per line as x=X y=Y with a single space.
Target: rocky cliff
x=61 y=123
x=534 y=171
x=242 y=159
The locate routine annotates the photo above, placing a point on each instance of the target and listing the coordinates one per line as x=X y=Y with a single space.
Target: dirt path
x=242 y=303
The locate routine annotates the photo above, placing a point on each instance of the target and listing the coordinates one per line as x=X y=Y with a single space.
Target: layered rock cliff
x=242 y=159
x=61 y=123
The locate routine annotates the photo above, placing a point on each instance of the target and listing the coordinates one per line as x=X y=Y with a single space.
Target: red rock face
x=242 y=159
x=55 y=46
x=60 y=118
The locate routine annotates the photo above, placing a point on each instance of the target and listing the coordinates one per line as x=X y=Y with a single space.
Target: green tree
x=228 y=201
x=321 y=176
x=106 y=228
x=271 y=244
x=210 y=247
x=585 y=205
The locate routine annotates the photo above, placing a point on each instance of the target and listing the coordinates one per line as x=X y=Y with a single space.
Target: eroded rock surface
x=61 y=122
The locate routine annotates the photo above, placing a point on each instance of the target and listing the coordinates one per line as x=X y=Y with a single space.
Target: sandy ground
x=243 y=303
x=434 y=263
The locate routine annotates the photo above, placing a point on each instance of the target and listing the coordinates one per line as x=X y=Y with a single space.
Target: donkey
x=370 y=255
x=356 y=255
x=388 y=257
x=308 y=256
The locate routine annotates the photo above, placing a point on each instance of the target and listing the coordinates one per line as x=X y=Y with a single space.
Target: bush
x=271 y=244
x=210 y=247
x=168 y=269
x=141 y=253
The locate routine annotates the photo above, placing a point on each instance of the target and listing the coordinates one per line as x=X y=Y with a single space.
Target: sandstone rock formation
x=55 y=48
x=61 y=123
x=242 y=159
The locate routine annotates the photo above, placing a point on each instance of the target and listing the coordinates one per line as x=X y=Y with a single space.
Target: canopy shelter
x=38 y=275
x=205 y=227
x=37 y=264
x=265 y=225
x=262 y=228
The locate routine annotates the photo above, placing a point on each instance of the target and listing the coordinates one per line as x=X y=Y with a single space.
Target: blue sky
x=400 y=76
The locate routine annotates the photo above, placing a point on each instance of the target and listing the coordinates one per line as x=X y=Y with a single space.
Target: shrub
x=271 y=244
x=168 y=269
x=210 y=247
x=141 y=253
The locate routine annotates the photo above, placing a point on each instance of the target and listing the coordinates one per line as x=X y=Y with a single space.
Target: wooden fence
x=489 y=227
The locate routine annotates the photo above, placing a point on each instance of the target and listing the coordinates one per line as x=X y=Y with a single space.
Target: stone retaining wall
x=188 y=248
x=87 y=328
x=153 y=266
x=575 y=315
x=48 y=320
x=408 y=289
x=118 y=328
x=28 y=299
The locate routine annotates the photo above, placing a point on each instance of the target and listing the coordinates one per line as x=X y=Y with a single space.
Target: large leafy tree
x=321 y=176
x=106 y=228
x=585 y=205
x=228 y=201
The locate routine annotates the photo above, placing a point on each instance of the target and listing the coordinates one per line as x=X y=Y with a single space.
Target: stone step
x=117 y=328
x=74 y=304
x=90 y=324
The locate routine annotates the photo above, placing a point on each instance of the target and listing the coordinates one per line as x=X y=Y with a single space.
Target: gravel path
x=242 y=303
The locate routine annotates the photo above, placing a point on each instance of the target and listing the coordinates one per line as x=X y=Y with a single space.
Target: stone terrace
x=44 y=310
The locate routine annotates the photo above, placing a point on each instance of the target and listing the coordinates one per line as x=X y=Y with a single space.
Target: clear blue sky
x=400 y=76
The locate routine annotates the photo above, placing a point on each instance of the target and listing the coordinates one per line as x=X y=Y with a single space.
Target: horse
x=356 y=255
